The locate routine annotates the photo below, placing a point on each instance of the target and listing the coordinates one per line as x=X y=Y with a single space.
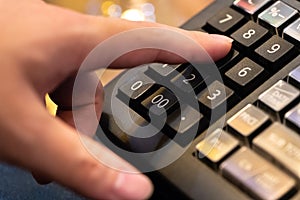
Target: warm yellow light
x=133 y=15
x=105 y=7
x=50 y=105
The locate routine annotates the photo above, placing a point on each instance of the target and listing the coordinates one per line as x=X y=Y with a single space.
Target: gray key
x=277 y=14
x=215 y=146
x=292 y=118
x=294 y=77
x=257 y=176
x=163 y=70
x=248 y=122
x=281 y=144
x=278 y=99
x=292 y=32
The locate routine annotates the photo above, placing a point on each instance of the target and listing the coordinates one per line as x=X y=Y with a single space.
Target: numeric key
x=161 y=101
x=275 y=52
x=244 y=76
x=134 y=89
x=214 y=96
x=249 y=35
x=189 y=80
x=225 y=21
x=161 y=71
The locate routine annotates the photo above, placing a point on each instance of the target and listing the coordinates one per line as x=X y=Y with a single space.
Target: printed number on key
x=274 y=49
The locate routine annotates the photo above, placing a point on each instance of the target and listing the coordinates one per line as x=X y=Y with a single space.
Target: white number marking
x=244 y=71
x=226 y=19
x=136 y=85
x=159 y=101
x=186 y=81
x=274 y=49
x=214 y=95
x=249 y=34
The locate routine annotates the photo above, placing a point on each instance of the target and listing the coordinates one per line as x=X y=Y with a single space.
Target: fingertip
x=220 y=46
x=133 y=186
x=222 y=38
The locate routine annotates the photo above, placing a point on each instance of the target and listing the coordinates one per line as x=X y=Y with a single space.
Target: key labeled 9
x=274 y=48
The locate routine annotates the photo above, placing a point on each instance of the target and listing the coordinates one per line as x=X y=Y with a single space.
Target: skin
x=41 y=48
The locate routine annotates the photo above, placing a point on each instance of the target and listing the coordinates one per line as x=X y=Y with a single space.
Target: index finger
x=82 y=33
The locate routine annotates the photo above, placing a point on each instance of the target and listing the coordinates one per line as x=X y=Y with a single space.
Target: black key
x=249 y=35
x=258 y=177
x=229 y=60
x=161 y=71
x=276 y=51
x=278 y=99
x=292 y=118
x=247 y=123
x=133 y=90
x=245 y=76
x=276 y=16
x=294 y=77
x=292 y=32
x=182 y=122
x=161 y=101
x=188 y=80
x=250 y=6
x=214 y=96
x=225 y=21
x=215 y=147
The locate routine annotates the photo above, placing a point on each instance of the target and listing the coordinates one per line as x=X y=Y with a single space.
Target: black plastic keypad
x=260 y=76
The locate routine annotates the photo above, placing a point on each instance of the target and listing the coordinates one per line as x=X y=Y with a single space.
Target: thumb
x=59 y=152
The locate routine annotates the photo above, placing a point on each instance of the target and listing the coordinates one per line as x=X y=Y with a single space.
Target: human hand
x=41 y=48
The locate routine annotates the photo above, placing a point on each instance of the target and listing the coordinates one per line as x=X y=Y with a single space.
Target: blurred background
x=171 y=12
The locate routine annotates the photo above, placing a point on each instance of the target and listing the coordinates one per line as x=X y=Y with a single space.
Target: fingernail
x=133 y=186
x=221 y=37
